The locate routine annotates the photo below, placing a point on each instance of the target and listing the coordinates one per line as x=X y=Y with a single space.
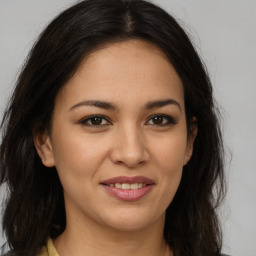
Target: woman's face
x=119 y=137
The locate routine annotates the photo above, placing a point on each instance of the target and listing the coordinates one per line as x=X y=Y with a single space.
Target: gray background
x=224 y=33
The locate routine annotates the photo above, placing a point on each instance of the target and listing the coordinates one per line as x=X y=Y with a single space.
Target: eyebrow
x=95 y=103
x=162 y=103
x=111 y=106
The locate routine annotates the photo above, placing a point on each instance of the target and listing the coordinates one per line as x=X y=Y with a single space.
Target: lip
x=128 y=194
x=129 y=180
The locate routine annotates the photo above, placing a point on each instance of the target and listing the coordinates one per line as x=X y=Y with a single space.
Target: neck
x=91 y=238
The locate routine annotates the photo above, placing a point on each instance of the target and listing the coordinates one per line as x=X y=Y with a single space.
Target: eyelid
x=170 y=120
x=84 y=120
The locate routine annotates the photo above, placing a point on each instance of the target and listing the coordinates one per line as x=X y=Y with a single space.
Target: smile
x=128 y=188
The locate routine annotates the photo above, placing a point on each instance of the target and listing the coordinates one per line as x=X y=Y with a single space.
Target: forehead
x=144 y=56
x=128 y=70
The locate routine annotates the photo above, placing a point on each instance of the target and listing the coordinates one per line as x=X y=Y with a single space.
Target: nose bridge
x=129 y=147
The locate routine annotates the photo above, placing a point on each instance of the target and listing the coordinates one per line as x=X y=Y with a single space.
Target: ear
x=191 y=138
x=43 y=144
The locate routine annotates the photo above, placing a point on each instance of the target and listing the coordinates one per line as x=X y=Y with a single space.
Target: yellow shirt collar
x=49 y=249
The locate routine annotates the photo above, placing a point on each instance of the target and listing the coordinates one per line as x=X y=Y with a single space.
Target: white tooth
x=134 y=186
x=111 y=185
x=140 y=185
x=118 y=185
x=126 y=186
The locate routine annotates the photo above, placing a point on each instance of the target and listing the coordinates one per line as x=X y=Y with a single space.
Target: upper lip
x=129 y=180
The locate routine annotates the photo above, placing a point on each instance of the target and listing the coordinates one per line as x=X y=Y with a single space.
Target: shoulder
x=46 y=250
x=43 y=252
x=10 y=254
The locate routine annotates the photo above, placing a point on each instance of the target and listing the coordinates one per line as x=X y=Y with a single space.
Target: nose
x=129 y=147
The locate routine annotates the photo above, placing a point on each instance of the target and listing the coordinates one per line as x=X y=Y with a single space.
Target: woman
x=111 y=142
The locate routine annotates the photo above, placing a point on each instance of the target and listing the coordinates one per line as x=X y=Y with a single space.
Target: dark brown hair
x=35 y=206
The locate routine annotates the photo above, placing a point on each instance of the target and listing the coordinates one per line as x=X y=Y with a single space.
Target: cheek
x=170 y=152
x=169 y=160
x=77 y=157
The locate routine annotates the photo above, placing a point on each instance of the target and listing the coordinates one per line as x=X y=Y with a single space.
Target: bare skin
x=128 y=138
x=112 y=242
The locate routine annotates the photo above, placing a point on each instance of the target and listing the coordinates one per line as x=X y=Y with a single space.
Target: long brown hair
x=35 y=206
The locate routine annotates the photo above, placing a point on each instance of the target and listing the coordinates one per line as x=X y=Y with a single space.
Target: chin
x=132 y=220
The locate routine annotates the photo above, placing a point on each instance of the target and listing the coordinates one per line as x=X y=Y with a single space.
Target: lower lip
x=128 y=194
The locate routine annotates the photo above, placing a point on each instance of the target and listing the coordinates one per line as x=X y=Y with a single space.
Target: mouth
x=124 y=182
x=128 y=188
x=126 y=185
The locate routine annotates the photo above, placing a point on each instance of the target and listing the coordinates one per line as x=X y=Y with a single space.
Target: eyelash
x=170 y=120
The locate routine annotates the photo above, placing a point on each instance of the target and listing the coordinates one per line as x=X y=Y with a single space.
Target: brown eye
x=161 y=120
x=158 y=119
x=94 y=121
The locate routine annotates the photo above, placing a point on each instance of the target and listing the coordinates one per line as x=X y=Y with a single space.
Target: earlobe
x=191 y=138
x=43 y=147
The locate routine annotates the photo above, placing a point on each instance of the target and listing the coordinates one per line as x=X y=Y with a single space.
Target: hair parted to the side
x=35 y=206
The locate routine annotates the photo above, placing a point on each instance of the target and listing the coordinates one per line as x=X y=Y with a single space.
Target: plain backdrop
x=224 y=33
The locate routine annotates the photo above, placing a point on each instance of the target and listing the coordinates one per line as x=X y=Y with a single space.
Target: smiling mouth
x=126 y=182
x=127 y=185
x=128 y=188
